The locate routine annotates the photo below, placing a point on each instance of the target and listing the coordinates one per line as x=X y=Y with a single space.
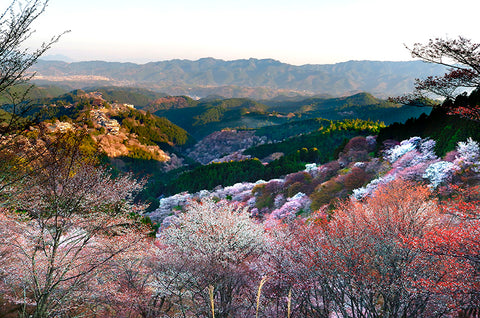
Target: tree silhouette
x=461 y=56
x=15 y=29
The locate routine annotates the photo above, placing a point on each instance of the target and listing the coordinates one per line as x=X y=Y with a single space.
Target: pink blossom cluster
x=294 y=205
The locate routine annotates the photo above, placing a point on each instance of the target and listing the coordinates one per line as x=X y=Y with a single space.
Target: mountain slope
x=206 y=76
x=201 y=118
x=31 y=93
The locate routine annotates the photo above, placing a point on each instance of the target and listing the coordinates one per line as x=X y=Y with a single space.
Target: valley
x=286 y=161
x=184 y=144
x=231 y=187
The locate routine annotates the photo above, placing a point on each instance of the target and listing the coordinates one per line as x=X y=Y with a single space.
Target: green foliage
x=212 y=175
x=324 y=140
x=61 y=106
x=355 y=124
x=290 y=129
x=216 y=110
x=5 y=118
x=128 y=95
x=70 y=97
x=208 y=116
x=139 y=153
x=325 y=193
x=317 y=103
x=153 y=226
x=362 y=106
x=151 y=129
x=89 y=146
x=264 y=198
x=446 y=130
x=31 y=93
x=228 y=173
x=214 y=114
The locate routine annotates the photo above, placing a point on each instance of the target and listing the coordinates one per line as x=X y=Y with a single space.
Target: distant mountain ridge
x=254 y=78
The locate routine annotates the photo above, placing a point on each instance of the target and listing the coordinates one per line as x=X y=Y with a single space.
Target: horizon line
x=69 y=60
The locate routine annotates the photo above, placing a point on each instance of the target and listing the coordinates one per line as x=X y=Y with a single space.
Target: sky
x=292 y=31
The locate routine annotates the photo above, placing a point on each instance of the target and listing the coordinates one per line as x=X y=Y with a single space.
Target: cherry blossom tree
x=414 y=159
x=456 y=240
x=440 y=172
x=61 y=226
x=131 y=287
x=468 y=155
x=299 y=203
x=358 y=262
x=211 y=244
x=298 y=267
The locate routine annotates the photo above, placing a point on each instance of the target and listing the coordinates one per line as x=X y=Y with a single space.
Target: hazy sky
x=293 y=31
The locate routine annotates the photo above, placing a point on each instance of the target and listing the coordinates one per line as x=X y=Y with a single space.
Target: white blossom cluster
x=237 y=192
x=367 y=190
x=409 y=161
x=424 y=151
x=371 y=141
x=415 y=159
x=310 y=167
x=168 y=204
x=440 y=172
x=468 y=155
x=393 y=154
x=219 y=231
x=279 y=201
x=360 y=164
x=170 y=207
x=313 y=169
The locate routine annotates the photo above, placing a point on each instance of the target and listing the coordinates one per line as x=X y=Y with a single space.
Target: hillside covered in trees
x=203 y=117
x=108 y=210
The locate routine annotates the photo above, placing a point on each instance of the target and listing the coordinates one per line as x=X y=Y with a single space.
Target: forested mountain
x=129 y=95
x=242 y=78
x=25 y=92
x=124 y=123
x=319 y=146
x=203 y=117
x=118 y=129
